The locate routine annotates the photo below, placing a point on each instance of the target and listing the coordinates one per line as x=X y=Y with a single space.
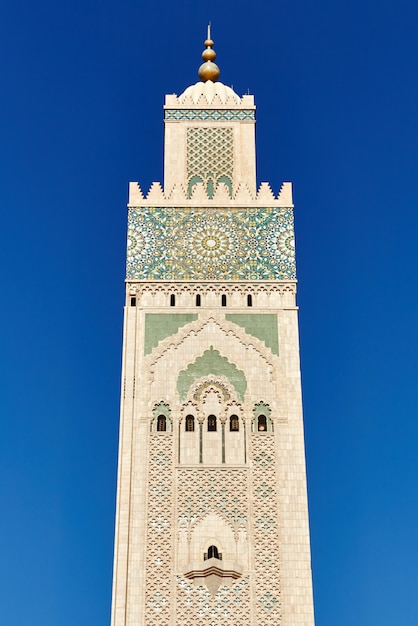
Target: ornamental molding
x=177 y=196
x=274 y=365
x=231 y=408
x=213 y=573
x=209 y=95
x=136 y=288
x=209 y=115
x=228 y=328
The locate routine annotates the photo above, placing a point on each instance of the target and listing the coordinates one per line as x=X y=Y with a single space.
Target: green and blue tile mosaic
x=210 y=244
x=213 y=115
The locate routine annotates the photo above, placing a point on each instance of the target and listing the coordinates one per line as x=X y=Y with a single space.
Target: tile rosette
x=216 y=244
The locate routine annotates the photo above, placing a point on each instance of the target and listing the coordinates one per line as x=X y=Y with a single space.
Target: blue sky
x=337 y=95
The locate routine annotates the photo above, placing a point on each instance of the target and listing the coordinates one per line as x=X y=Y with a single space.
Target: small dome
x=209 y=90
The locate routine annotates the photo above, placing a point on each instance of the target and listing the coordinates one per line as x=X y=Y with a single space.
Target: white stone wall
x=150 y=379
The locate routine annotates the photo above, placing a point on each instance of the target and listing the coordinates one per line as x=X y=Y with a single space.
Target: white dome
x=209 y=90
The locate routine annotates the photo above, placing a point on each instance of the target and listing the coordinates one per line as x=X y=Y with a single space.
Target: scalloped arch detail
x=229 y=328
x=211 y=362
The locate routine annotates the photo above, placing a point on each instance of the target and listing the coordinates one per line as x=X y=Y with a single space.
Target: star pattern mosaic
x=210 y=244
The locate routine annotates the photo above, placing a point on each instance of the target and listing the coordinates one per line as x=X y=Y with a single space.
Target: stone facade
x=212 y=520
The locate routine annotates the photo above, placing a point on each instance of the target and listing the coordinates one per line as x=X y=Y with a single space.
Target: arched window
x=213 y=553
x=133 y=301
x=249 y=300
x=172 y=300
x=223 y=300
x=234 y=423
x=212 y=423
x=189 y=423
x=198 y=299
x=262 y=423
x=161 y=423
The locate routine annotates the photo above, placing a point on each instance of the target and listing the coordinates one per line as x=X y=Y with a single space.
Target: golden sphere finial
x=209 y=70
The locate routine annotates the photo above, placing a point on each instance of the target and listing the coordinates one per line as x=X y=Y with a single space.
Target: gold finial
x=209 y=70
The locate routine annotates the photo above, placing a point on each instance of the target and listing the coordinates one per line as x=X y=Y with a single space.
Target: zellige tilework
x=220 y=244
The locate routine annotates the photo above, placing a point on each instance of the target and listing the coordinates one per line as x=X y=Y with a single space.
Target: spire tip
x=209 y=70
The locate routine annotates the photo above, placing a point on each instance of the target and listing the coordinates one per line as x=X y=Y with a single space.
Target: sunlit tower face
x=211 y=523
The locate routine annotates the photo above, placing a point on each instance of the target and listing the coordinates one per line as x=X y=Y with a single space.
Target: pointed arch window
x=262 y=423
x=161 y=423
x=212 y=423
x=189 y=423
x=212 y=553
x=234 y=423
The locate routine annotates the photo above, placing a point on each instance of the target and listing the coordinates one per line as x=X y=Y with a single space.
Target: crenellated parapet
x=177 y=196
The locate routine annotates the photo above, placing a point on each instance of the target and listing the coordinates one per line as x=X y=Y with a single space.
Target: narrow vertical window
x=161 y=423
x=223 y=300
x=234 y=423
x=189 y=423
x=212 y=423
x=133 y=301
x=262 y=423
x=172 y=300
x=249 y=300
x=198 y=299
x=213 y=553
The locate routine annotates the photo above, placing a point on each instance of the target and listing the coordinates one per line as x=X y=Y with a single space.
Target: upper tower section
x=210 y=222
x=209 y=134
x=209 y=148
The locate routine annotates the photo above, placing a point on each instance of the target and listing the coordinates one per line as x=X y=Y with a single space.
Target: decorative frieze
x=212 y=115
x=222 y=244
x=137 y=287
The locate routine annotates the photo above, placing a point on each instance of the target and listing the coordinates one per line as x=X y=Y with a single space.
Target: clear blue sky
x=82 y=93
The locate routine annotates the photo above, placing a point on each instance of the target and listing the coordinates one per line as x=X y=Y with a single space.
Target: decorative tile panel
x=210 y=157
x=263 y=326
x=230 y=606
x=203 y=490
x=211 y=362
x=224 y=492
x=265 y=535
x=214 y=115
x=158 y=326
x=216 y=244
x=159 y=532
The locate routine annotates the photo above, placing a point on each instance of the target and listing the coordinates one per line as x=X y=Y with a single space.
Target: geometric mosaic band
x=167 y=243
x=213 y=115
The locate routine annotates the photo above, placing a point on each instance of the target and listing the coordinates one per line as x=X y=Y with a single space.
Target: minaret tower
x=212 y=519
